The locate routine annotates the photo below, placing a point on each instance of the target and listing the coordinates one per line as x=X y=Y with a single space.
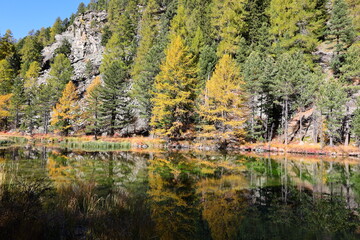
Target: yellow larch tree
x=66 y=111
x=5 y=102
x=222 y=109
x=174 y=91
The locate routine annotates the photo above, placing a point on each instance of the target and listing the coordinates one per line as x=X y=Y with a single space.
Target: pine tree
x=32 y=74
x=6 y=77
x=291 y=73
x=340 y=31
x=356 y=121
x=60 y=74
x=66 y=112
x=30 y=52
x=223 y=103
x=258 y=73
x=17 y=101
x=354 y=10
x=351 y=68
x=331 y=101
x=44 y=36
x=115 y=109
x=5 y=101
x=56 y=28
x=143 y=71
x=91 y=113
x=295 y=25
x=81 y=8
x=7 y=46
x=41 y=105
x=228 y=23
x=174 y=91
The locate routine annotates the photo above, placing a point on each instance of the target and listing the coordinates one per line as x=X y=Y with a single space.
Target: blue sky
x=21 y=16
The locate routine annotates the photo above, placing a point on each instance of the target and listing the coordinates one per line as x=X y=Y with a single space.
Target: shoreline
x=310 y=149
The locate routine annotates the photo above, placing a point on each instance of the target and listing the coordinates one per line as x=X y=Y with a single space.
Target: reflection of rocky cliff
x=84 y=35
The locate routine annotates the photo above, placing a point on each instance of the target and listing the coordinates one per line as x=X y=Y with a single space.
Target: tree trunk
x=286 y=121
x=331 y=141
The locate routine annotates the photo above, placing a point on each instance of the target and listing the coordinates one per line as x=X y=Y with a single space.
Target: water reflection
x=60 y=194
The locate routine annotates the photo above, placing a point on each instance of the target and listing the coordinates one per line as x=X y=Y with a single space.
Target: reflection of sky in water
x=181 y=196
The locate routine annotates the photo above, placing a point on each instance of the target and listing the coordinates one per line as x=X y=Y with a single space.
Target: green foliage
x=6 y=77
x=30 y=52
x=60 y=74
x=56 y=28
x=81 y=8
x=228 y=24
x=64 y=48
x=115 y=110
x=7 y=47
x=147 y=59
x=340 y=28
x=351 y=67
x=356 y=121
x=295 y=25
x=331 y=100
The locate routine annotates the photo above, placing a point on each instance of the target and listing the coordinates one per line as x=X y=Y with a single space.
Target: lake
x=49 y=193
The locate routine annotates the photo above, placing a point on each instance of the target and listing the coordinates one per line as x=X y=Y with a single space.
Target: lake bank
x=143 y=143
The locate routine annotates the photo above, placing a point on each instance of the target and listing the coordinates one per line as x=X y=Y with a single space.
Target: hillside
x=222 y=71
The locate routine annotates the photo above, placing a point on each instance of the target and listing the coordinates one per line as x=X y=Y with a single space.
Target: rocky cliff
x=84 y=35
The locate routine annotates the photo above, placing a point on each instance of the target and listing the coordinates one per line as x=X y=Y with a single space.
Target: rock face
x=84 y=35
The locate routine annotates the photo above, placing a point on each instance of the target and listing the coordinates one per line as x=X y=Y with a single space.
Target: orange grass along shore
x=148 y=142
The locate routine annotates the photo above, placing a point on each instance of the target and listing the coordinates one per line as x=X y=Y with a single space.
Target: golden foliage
x=5 y=105
x=175 y=88
x=66 y=111
x=223 y=109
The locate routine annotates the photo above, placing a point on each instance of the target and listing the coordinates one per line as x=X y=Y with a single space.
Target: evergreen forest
x=228 y=71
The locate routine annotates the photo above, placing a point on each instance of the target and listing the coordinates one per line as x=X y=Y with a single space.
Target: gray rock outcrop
x=84 y=35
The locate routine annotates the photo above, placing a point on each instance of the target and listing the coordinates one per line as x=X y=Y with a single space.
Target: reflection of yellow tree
x=171 y=201
x=59 y=170
x=223 y=204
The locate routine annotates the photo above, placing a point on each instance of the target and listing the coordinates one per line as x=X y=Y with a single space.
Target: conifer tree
x=41 y=106
x=331 y=101
x=81 y=8
x=143 y=71
x=32 y=74
x=60 y=74
x=56 y=28
x=17 y=101
x=291 y=74
x=354 y=10
x=6 y=77
x=351 y=67
x=5 y=101
x=66 y=111
x=175 y=89
x=7 y=46
x=115 y=109
x=340 y=31
x=228 y=23
x=356 y=121
x=223 y=103
x=258 y=73
x=44 y=36
x=295 y=25
x=91 y=113
x=30 y=52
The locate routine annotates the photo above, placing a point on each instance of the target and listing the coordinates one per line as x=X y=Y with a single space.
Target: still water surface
x=61 y=194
